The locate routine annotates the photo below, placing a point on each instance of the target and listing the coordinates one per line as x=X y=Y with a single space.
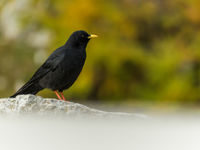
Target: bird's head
x=79 y=39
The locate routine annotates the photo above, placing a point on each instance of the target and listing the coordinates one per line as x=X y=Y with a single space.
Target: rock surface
x=31 y=104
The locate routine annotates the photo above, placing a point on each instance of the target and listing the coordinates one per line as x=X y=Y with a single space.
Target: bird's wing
x=50 y=65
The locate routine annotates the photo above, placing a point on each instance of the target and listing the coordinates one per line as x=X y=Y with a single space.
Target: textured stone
x=36 y=105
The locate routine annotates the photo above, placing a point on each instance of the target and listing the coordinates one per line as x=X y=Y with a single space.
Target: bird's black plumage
x=62 y=67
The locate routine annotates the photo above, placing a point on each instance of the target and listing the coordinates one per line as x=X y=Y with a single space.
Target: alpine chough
x=61 y=68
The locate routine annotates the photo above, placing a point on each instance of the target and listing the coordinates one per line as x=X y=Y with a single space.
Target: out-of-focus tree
x=147 y=49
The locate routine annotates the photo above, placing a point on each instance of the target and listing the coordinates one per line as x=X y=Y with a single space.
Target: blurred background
x=147 y=53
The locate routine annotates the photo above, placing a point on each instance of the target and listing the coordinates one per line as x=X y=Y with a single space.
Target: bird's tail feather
x=28 y=88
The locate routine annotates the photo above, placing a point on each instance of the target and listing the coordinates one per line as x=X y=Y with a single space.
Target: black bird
x=62 y=67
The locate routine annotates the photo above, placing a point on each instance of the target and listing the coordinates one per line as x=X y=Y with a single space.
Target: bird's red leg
x=62 y=96
x=58 y=95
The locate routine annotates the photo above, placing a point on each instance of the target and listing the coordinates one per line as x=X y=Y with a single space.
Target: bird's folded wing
x=50 y=65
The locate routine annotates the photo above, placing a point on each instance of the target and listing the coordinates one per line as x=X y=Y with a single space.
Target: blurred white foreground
x=19 y=131
x=80 y=134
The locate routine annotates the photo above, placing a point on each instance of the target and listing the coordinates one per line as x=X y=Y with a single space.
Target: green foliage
x=147 y=50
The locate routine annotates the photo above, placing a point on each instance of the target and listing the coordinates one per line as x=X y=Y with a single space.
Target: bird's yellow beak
x=92 y=36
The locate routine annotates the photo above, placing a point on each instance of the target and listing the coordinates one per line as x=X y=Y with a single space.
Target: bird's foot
x=61 y=93
x=57 y=94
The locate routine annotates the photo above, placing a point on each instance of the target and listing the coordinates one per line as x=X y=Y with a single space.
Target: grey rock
x=36 y=105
